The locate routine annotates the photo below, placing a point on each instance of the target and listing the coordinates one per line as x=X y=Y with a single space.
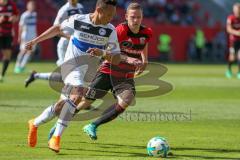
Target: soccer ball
x=158 y=146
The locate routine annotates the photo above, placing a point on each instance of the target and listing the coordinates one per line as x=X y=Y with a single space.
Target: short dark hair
x=104 y=3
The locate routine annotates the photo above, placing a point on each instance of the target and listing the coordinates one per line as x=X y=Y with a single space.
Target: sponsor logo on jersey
x=85 y=27
x=95 y=30
x=132 y=51
x=91 y=36
x=102 y=31
x=126 y=44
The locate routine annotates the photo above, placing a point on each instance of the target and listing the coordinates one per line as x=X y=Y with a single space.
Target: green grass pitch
x=210 y=129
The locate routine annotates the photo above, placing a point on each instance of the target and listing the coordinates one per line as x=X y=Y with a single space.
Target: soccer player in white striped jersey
x=72 y=7
x=89 y=31
x=27 y=31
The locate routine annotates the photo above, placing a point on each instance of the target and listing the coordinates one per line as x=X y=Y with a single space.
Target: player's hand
x=95 y=52
x=29 y=45
x=140 y=69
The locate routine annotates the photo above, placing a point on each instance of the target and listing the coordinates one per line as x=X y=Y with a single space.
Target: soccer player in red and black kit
x=133 y=39
x=233 y=29
x=8 y=15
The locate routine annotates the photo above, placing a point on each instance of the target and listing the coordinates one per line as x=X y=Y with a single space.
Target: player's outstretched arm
x=65 y=35
x=51 y=32
x=114 y=58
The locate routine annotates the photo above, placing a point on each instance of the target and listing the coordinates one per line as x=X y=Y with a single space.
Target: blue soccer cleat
x=90 y=130
x=17 y=70
x=52 y=130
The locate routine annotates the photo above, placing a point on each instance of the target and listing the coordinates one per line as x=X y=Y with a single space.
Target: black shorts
x=236 y=46
x=102 y=83
x=6 y=42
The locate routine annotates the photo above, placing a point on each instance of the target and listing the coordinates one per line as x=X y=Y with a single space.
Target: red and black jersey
x=132 y=45
x=7 y=10
x=235 y=23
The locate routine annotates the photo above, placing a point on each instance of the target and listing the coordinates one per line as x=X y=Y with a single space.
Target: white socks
x=47 y=115
x=25 y=59
x=43 y=76
x=22 y=59
x=19 y=59
x=65 y=117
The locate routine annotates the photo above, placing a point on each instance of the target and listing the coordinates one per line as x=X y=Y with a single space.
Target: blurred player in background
x=233 y=29
x=90 y=31
x=133 y=39
x=27 y=31
x=8 y=15
x=72 y=7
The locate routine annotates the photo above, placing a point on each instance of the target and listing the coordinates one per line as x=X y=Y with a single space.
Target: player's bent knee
x=58 y=106
x=85 y=103
x=74 y=93
x=75 y=99
x=77 y=94
x=126 y=98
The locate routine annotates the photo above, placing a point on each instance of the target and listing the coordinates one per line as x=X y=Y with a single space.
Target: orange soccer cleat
x=54 y=143
x=32 y=133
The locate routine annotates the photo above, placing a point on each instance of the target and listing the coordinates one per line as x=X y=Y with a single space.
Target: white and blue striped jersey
x=87 y=35
x=64 y=13
x=28 y=22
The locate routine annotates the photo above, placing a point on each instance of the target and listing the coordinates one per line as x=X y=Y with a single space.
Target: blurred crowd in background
x=181 y=13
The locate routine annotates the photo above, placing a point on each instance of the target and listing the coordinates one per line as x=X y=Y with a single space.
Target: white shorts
x=61 y=50
x=61 y=54
x=75 y=77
